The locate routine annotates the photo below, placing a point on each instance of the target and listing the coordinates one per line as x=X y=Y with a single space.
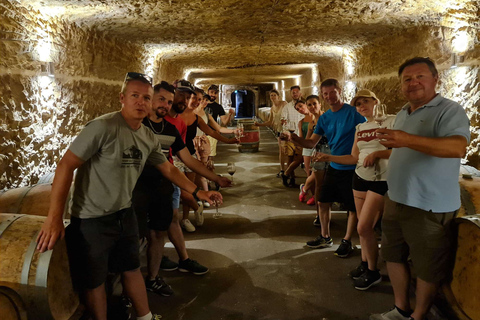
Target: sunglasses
x=138 y=76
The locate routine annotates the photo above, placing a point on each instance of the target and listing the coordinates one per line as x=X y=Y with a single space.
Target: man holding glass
x=429 y=138
x=338 y=125
x=110 y=153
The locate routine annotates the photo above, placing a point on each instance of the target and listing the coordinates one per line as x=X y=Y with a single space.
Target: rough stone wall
x=40 y=115
x=377 y=65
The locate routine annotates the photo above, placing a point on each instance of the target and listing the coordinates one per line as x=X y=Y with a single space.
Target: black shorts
x=97 y=246
x=337 y=187
x=359 y=184
x=153 y=206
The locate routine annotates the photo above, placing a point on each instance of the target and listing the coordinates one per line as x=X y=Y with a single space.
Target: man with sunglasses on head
x=156 y=199
x=110 y=153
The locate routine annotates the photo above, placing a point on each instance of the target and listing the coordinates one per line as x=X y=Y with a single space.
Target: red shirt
x=179 y=124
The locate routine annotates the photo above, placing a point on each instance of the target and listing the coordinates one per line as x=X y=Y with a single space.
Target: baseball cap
x=184 y=85
x=364 y=93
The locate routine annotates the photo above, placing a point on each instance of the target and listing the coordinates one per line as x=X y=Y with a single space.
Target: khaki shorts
x=424 y=235
x=292 y=149
x=182 y=166
x=213 y=146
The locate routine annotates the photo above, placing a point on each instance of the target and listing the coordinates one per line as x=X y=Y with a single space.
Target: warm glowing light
x=44 y=49
x=349 y=90
x=154 y=54
x=348 y=61
x=461 y=42
x=314 y=74
x=314 y=78
x=297 y=80
x=186 y=74
x=51 y=11
x=275 y=85
x=283 y=89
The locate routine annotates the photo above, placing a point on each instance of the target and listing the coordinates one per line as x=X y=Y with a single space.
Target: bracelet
x=194 y=193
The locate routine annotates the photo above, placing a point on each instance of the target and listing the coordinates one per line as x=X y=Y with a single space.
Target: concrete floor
x=259 y=265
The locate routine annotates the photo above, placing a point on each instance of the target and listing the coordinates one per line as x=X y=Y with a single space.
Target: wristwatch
x=194 y=194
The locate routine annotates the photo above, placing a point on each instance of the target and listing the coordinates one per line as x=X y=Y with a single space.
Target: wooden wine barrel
x=12 y=306
x=251 y=139
x=33 y=200
x=41 y=279
x=46 y=178
x=470 y=195
x=463 y=293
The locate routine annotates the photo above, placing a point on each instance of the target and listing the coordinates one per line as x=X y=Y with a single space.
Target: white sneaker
x=199 y=215
x=206 y=205
x=187 y=225
x=389 y=315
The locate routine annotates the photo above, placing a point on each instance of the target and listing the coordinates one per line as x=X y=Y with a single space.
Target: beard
x=161 y=112
x=179 y=107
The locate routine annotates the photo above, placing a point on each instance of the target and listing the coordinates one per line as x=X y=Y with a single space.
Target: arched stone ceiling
x=254 y=41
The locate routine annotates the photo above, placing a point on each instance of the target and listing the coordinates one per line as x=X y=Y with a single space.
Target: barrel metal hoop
x=5 y=224
x=41 y=276
x=467 y=201
x=28 y=259
x=18 y=203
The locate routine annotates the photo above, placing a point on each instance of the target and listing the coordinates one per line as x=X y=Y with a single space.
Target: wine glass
x=291 y=126
x=231 y=169
x=217 y=214
x=380 y=114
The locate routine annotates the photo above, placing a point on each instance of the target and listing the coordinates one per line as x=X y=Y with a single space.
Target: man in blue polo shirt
x=429 y=138
x=338 y=126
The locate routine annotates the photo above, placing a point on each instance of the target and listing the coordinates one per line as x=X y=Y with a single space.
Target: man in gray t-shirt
x=110 y=154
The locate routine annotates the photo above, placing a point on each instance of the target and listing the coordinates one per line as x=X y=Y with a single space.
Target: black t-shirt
x=171 y=142
x=215 y=110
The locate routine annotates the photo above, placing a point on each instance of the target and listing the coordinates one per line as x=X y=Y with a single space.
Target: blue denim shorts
x=176 y=197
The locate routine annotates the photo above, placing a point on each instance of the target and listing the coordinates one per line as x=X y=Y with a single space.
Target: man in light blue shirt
x=429 y=138
x=338 y=126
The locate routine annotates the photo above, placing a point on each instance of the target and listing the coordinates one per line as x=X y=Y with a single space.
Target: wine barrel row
x=33 y=200
x=42 y=280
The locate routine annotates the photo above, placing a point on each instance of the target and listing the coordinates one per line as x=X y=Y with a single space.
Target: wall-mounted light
x=283 y=89
x=43 y=50
x=348 y=61
x=349 y=90
x=461 y=42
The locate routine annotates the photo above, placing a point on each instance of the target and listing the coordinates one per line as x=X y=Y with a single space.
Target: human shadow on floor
x=285 y=285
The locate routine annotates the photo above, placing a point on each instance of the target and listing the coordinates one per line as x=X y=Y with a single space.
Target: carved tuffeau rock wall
x=40 y=115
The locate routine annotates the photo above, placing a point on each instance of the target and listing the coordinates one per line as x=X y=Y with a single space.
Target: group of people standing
x=134 y=166
x=406 y=171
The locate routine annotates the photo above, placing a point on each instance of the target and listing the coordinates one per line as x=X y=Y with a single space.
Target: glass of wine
x=231 y=169
x=217 y=214
x=380 y=114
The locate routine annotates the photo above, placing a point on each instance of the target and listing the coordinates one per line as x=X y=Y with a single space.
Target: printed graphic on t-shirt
x=367 y=135
x=131 y=157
